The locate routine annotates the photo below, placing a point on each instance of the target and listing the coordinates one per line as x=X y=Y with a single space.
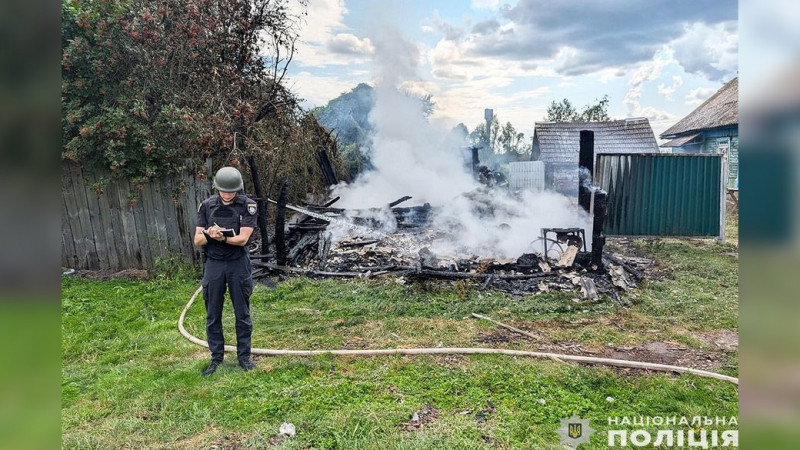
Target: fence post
x=723 y=190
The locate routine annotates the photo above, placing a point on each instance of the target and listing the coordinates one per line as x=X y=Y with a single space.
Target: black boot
x=247 y=365
x=211 y=368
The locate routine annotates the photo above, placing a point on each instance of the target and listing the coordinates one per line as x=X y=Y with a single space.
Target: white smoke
x=412 y=157
x=510 y=227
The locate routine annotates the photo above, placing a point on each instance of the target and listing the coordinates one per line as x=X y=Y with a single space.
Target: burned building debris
x=472 y=225
x=321 y=240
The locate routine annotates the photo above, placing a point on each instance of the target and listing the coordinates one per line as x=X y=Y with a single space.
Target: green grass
x=130 y=380
x=732 y=228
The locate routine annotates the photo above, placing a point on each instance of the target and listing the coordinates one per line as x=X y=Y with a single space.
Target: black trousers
x=235 y=276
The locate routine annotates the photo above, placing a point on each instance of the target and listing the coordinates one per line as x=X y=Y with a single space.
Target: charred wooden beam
x=635 y=272
x=262 y=210
x=414 y=216
x=399 y=200
x=280 y=222
x=412 y=209
x=265 y=256
x=586 y=165
x=332 y=201
x=598 y=222
x=319 y=273
x=327 y=167
x=323 y=247
x=326 y=209
x=476 y=161
x=301 y=245
x=390 y=268
x=426 y=273
x=308 y=227
x=358 y=243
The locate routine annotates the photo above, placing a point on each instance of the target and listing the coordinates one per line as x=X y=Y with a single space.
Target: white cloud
x=532 y=93
x=349 y=44
x=484 y=4
x=699 y=95
x=655 y=114
x=483 y=63
x=466 y=101
x=667 y=90
x=708 y=50
x=318 y=90
x=608 y=75
x=455 y=61
x=436 y=23
x=324 y=39
x=533 y=30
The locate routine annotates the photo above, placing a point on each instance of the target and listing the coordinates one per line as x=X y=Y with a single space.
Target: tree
x=501 y=144
x=563 y=111
x=152 y=88
x=597 y=112
x=511 y=142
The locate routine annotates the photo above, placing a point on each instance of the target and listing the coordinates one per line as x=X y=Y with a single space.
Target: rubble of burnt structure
x=321 y=240
x=478 y=228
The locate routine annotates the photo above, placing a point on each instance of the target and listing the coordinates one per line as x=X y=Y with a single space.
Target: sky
x=653 y=58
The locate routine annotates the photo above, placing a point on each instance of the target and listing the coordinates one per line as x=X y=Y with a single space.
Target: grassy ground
x=130 y=380
x=732 y=228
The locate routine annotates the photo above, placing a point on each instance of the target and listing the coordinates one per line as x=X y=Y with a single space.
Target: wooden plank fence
x=104 y=231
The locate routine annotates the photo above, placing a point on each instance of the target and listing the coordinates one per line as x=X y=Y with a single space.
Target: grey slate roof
x=560 y=141
x=721 y=109
x=679 y=141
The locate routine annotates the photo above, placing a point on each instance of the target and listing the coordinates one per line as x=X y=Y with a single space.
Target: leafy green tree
x=512 y=143
x=563 y=111
x=501 y=143
x=597 y=112
x=150 y=89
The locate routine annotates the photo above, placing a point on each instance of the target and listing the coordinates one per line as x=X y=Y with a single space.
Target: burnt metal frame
x=580 y=232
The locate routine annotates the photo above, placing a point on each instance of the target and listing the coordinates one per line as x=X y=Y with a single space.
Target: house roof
x=615 y=136
x=721 y=109
x=677 y=142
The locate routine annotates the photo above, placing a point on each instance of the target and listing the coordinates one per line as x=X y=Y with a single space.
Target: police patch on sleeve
x=251 y=208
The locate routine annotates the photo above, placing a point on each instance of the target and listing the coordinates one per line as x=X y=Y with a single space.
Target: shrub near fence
x=104 y=229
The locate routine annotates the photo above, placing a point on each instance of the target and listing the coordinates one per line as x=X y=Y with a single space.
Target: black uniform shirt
x=240 y=213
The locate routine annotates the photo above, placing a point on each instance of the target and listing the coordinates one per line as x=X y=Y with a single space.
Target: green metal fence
x=662 y=194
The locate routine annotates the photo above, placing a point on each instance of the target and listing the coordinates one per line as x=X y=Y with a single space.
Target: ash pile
x=412 y=244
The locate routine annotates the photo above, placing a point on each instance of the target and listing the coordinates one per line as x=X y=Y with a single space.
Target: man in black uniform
x=227 y=263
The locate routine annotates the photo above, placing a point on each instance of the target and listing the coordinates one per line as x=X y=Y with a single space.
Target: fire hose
x=456 y=351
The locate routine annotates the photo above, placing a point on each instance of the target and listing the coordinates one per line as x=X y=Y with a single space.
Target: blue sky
x=653 y=58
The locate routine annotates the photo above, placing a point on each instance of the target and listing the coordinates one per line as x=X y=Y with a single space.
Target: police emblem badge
x=575 y=431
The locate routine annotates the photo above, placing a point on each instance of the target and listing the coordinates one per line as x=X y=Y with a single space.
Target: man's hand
x=214 y=233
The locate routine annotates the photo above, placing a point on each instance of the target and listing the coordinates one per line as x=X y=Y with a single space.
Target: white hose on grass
x=455 y=351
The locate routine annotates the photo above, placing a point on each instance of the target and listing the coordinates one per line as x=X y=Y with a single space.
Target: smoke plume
x=412 y=157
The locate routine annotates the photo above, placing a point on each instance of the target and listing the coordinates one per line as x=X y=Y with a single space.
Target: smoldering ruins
x=428 y=210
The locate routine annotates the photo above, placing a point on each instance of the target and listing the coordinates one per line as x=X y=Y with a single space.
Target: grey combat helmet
x=228 y=179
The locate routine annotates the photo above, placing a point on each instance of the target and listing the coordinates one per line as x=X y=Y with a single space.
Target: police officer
x=227 y=263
